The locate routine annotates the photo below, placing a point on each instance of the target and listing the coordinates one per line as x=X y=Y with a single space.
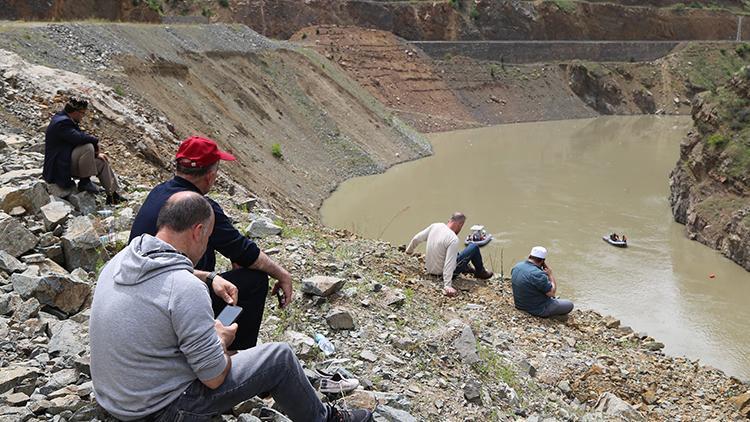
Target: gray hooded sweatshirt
x=151 y=330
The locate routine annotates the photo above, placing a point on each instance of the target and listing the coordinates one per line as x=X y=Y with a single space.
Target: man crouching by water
x=156 y=352
x=442 y=252
x=534 y=287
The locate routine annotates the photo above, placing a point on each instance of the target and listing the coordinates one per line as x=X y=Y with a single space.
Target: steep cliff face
x=426 y=20
x=710 y=186
x=56 y=10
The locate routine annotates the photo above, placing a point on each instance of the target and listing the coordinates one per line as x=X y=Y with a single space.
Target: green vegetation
x=207 y=12
x=717 y=140
x=743 y=50
x=224 y=3
x=707 y=67
x=493 y=70
x=474 y=13
x=276 y=150
x=456 y=4
x=567 y=6
x=119 y=91
x=154 y=5
x=494 y=367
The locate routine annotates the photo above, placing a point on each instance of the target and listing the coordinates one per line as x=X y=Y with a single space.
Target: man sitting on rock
x=69 y=152
x=196 y=170
x=534 y=287
x=156 y=352
x=442 y=252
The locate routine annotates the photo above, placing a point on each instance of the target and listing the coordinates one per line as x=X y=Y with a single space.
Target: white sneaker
x=338 y=384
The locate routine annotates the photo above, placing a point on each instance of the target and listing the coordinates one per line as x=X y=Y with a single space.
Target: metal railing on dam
x=520 y=52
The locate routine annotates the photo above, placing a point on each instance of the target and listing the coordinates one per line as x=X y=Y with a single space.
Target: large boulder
x=81 y=245
x=84 y=202
x=61 y=291
x=20 y=176
x=320 y=285
x=10 y=377
x=610 y=404
x=55 y=213
x=67 y=338
x=262 y=227
x=466 y=346
x=15 y=239
x=30 y=196
x=340 y=319
x=10 y=264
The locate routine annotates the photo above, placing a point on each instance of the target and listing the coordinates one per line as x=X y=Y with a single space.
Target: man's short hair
x=76 y=104
x=194 y=171
x=183 y=211
x=458 y=217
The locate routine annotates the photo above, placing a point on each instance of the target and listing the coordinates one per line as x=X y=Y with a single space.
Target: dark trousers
x=470 y=254
x=253 y=289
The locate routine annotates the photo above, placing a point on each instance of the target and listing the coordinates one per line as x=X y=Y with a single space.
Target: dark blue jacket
x=63 y=134
x=225 y=238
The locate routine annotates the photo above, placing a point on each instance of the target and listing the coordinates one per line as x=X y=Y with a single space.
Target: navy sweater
x=225 y=239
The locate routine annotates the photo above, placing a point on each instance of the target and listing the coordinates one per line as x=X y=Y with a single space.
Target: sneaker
x=355 y=415
x=86 y=185
x=338 y=384
x=483 y=275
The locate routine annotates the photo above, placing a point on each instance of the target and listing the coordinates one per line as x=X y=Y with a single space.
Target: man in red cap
x=196 y=169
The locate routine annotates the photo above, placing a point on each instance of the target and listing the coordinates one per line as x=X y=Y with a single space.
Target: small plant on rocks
x=276 y=150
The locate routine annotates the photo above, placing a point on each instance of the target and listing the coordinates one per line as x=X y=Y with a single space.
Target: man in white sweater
x=442 y=252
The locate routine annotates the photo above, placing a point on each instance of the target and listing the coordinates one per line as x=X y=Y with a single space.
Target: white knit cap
x=539 y=252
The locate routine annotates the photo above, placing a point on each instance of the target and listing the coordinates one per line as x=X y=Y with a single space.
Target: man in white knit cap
x=534 y=286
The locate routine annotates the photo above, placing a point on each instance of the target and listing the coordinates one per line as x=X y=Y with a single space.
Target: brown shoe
x=483 y=275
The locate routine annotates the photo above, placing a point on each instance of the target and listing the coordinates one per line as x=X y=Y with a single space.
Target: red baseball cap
x=200 y=152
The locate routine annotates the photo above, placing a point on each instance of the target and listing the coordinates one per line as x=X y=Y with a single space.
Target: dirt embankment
x=435 y=94
x=710 y=186
x=250 y=94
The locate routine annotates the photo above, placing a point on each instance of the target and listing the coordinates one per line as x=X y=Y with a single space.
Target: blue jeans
x=470 y=254
x=270 y=367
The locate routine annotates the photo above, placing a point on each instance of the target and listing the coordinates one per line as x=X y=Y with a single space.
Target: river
x=563 y=185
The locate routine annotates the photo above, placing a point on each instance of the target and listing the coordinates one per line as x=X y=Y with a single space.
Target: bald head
x=183 y=211
x=456 y=222
x=458 y=217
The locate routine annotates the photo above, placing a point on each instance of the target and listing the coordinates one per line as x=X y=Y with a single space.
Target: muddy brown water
x=563 y=185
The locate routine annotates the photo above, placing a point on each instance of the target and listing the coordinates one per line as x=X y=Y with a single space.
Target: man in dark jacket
x=69 y=152
x=196 y=170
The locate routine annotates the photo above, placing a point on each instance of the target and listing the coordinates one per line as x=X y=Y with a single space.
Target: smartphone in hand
x=229 y=314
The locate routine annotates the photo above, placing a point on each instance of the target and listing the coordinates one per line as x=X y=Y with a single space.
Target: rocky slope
x=227 y=82
x=710 y=186
x=418 y=355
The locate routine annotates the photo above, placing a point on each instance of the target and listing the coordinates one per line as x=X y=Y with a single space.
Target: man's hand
x=226 y=334
x=102 y=156
x=450 y=291
x=285 y=284
x=225 y=290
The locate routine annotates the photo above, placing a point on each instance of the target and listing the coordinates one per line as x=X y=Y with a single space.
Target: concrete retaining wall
x=546 y=51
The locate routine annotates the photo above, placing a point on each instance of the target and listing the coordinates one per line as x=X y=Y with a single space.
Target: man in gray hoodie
x=156 y=352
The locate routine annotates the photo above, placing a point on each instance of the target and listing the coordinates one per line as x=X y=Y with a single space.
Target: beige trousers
x=84 y=163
